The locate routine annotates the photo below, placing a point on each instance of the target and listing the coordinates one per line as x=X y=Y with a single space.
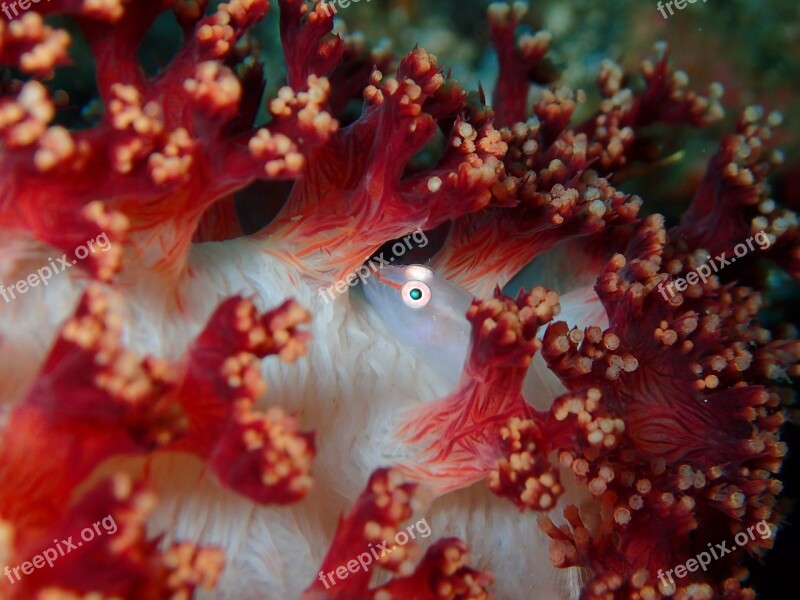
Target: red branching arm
x=456 y=438
x=578 y=425
x=365 y=539
x=444 y=572
x=94 y=400
x=614 y=132
x=679 y=421
x=521 y=62
x=117 y=558
x=167 y=148
x=309 y=45
x=556 y=183
x=553 y=197
x=260 y=455
x=33 y=47
x=733 y=201
x=357 y=181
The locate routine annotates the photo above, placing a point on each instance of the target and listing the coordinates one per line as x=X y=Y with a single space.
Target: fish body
x=425 y=312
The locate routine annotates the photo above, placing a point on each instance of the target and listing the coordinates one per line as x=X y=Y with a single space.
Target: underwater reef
x=216 y=361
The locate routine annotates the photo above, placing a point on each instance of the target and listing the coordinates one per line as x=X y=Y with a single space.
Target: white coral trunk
x=351 y=388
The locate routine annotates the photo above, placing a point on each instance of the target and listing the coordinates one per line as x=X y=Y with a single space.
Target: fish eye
x=416 y=294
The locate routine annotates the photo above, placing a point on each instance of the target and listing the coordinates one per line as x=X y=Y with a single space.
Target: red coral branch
x=94 y=400
x=359 y=60
x=457 y=436
x=521 y=62
x=614 y=133
x=691 y=445
x=578 y=426
x=262 y=456
x=733 y=201
x=553 y=193
x=115 y=558
x=357 y=181
x=309 y=45
x=555 y=202
x=369 y=530
x=32 y=46
x=154 y=157
x=442 y=574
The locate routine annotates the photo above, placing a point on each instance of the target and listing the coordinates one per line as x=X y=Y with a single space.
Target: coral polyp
x=251 y=437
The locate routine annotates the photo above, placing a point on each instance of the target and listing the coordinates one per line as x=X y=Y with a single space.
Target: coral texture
x=249 y=437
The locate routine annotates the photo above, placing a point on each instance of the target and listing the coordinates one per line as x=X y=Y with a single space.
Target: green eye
x=416 y=294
